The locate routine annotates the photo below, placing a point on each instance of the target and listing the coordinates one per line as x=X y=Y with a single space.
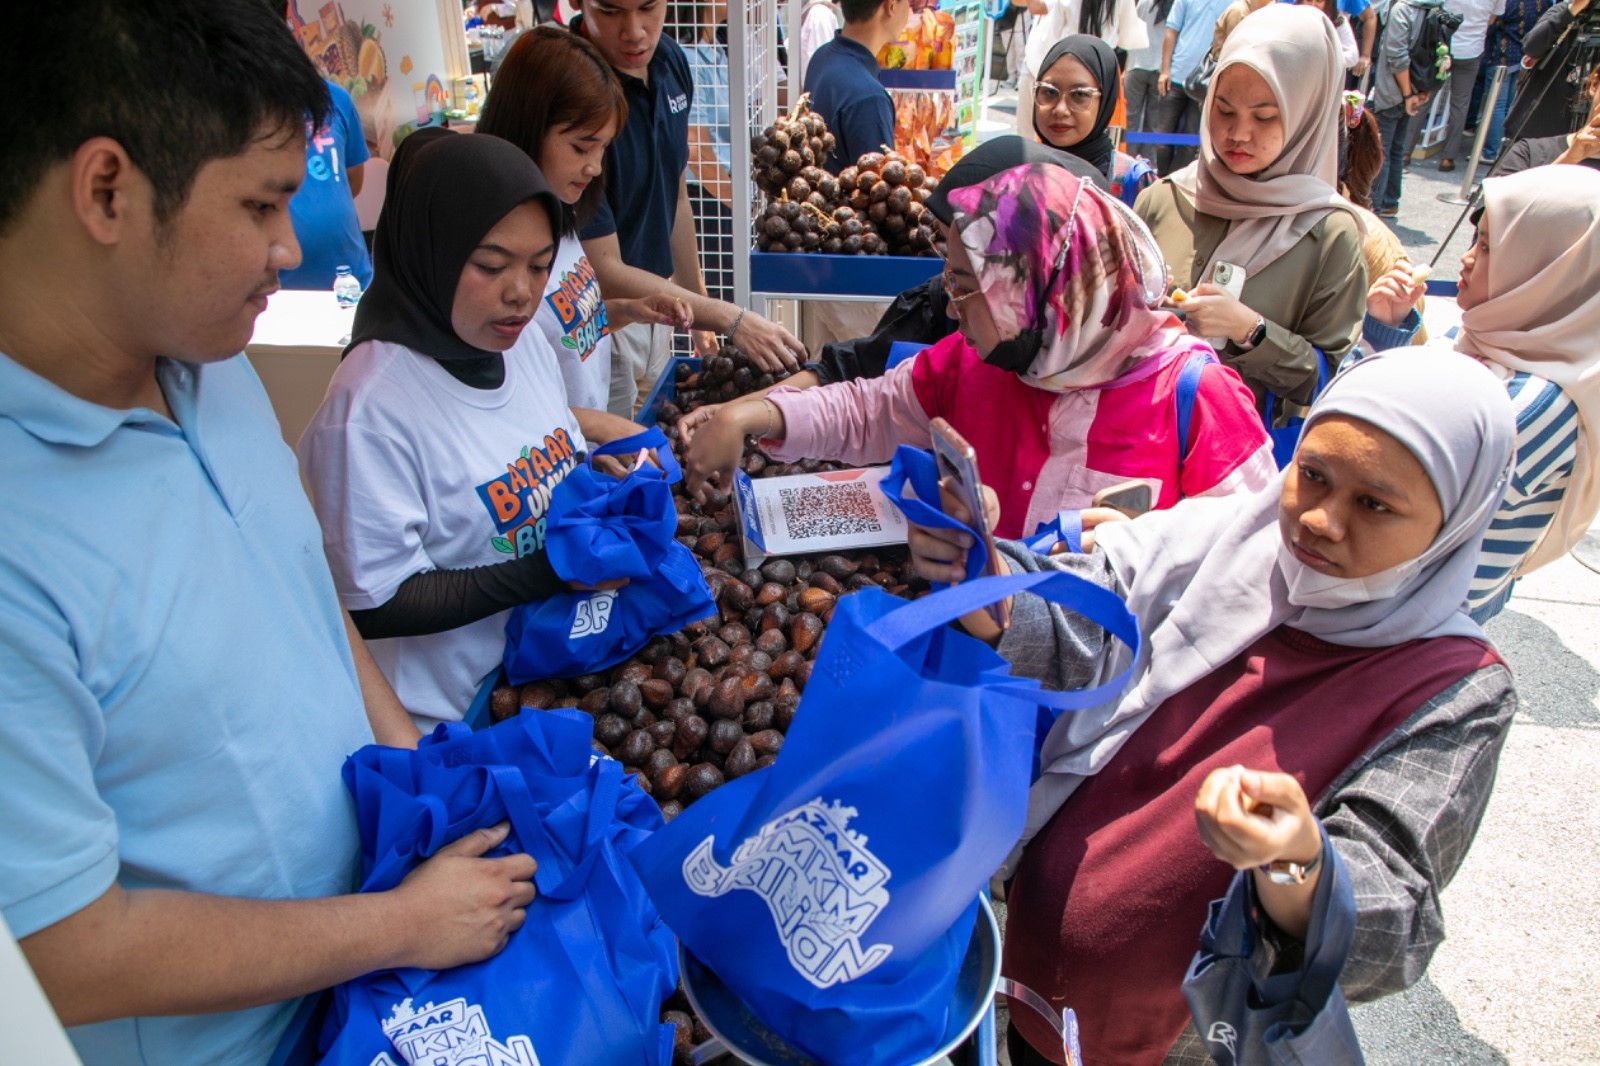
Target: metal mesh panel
x=735 y=65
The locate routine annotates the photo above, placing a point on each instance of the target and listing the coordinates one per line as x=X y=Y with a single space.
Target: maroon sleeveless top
x=1106 y=909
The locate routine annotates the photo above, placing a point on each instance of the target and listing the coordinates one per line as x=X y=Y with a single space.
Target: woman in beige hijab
x=1530 y=301
x=1263 y=199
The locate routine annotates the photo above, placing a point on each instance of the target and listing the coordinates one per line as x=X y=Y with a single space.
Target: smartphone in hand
x=1133 y=498
x=1229 y=278
x=958 y=466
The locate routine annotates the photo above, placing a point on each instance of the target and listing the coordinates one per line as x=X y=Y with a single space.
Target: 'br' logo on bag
x=1224 y=1034
x=450 y=1034
x=593 y=615
x=822 y=885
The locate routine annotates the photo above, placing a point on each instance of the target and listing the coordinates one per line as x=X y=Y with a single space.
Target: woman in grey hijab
x=1311 y=693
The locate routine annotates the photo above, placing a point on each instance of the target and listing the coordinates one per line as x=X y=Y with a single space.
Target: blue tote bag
x=603 y=528
x=1250 y=1018
x=583 y=980
x=834 y=891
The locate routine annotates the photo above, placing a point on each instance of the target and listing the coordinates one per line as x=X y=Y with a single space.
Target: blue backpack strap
x=1188 y=389
x=1322 y=383
x=1133 y=182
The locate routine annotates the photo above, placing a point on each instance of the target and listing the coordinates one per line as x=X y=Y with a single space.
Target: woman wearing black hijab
x=1075 y=93
x=1074 y=99
x=432 y=458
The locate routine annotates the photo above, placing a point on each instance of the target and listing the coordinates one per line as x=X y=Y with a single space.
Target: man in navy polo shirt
x=842 y=79
x=642 y=240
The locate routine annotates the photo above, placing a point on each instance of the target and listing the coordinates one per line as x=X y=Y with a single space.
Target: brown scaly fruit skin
x=740 y=674
x=883 y=192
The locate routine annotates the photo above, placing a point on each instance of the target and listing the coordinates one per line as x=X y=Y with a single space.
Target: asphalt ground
x=1517 y=981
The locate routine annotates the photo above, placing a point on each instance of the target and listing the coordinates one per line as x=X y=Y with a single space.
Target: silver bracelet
x=738 y=318
x=772 y=418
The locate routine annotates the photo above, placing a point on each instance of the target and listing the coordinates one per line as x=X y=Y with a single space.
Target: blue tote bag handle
x=530 y=828
x=917 y=467
x=395 y=764
x=651 y=438
x=1106 y=609
x=1328 y=939
x=1065 y=528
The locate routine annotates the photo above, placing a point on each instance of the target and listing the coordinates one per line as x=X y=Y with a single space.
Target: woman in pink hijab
x=1530 y=301
x=1063 y=375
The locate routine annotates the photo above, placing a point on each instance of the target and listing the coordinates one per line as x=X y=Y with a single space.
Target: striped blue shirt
x=1547 y=448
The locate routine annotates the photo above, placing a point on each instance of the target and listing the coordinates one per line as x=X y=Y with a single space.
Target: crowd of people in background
x=1337 y=507
x=1543 y=99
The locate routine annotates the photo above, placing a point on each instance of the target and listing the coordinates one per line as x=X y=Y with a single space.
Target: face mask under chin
x=1308 y=588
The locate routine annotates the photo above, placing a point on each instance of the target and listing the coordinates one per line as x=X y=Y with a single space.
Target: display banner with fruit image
x=391 y=56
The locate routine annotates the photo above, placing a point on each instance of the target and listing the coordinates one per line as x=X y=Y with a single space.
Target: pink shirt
x=1041 y=452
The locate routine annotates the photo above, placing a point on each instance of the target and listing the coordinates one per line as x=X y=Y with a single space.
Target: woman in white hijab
x=1312 y=633
x=1530 y=297
x=1263 y=200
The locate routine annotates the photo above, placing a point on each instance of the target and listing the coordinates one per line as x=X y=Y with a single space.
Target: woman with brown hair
x=557 y=99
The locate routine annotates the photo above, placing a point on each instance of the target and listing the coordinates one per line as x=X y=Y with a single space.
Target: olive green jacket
x=1313 y=297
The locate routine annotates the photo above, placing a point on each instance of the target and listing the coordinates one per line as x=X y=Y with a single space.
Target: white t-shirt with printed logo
x=410 y=470
x=572 y=317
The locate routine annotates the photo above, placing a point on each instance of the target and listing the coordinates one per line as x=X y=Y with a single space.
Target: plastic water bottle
x=346 y=289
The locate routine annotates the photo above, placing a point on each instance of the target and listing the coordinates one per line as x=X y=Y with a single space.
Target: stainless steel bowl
x=738 y=1034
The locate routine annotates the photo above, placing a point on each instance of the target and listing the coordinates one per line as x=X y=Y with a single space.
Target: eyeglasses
x=957 y=297
x=1080 y=99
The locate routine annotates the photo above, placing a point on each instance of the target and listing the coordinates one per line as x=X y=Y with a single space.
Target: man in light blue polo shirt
x=1188 y=39
x=178 y=690
x=1363 y=16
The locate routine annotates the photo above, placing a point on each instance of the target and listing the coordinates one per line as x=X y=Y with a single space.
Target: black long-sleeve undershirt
x=436 y=601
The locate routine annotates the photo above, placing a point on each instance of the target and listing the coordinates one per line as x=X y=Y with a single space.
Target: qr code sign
x=829 y=511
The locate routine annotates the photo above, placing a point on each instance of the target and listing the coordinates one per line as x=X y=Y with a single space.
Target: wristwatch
x=1292 y=873
x=1257 y=335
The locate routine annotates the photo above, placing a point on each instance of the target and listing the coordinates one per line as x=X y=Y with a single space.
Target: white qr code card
x=806 y=513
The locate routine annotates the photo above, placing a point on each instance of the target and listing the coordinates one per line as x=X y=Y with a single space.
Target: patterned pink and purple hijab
x=1100 y=314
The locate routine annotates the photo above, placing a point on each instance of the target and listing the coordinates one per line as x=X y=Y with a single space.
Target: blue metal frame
x=814 y=274
x=1180 y=140
x=925 y=80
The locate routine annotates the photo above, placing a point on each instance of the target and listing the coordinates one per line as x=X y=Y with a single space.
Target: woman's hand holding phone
x=941 y=554
x=1212 y=311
